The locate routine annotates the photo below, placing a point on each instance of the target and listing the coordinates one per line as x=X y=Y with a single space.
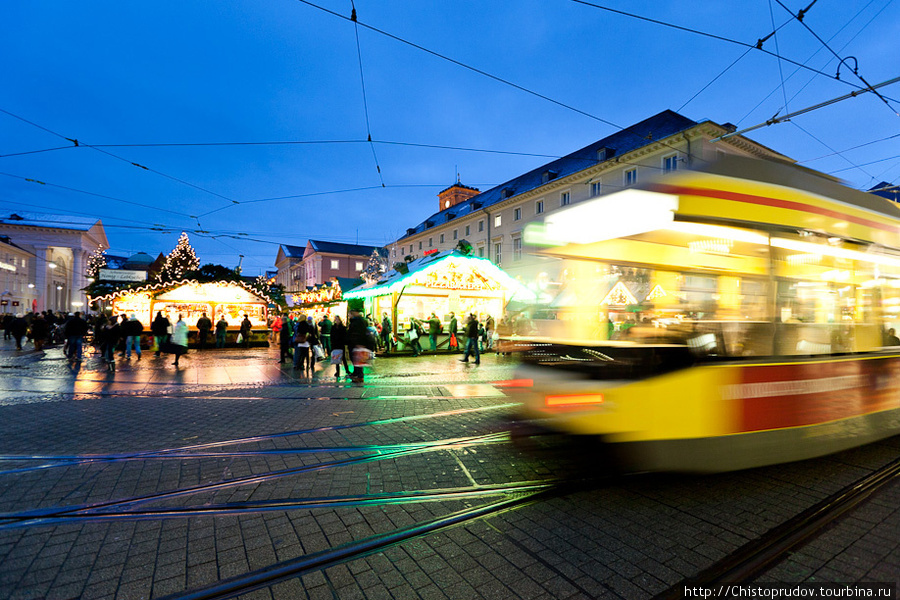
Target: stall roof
x=478 y=271
x=162 y=288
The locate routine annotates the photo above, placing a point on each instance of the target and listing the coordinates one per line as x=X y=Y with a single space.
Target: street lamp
x=51 y=264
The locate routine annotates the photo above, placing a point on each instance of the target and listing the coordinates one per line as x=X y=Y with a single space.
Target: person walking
x=387 y=332
x=325 y=326
x=434 y=328
x=203 y=327
x=339 y=344
x=489 y=333
x=75 y=330
x=414 y=333
x=221 y=332
x=302 y=332
x=17 y=329
x=7 y=323
x=179 y=339
x=453 y=330
x=160 y=330
x=245 y=330
x=285 y=332
x=357 y=340
x=132 y=330
x=40 y=329
x=110 y=333
x=472 y=340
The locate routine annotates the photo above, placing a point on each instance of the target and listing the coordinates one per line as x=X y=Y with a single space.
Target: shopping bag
x=337 y=356
x=362 y=356
x=155 y=346
x=240 y=338
x=319 y=351
x=453 y=341
x=413 y=335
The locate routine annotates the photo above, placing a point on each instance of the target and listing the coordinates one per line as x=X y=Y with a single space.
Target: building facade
x=494 y=221
x=17 y=289
x=60 y=246
x=319 y=263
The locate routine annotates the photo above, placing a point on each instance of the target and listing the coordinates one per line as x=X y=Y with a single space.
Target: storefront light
x=52 y=264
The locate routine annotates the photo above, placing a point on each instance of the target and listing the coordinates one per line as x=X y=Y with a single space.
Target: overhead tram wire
x=832 y=149
x=814 y=54
x=76 y=143
x=362 y=80
x=884 y=139
x=778 y=51
x=757 y=45
x=799 y=16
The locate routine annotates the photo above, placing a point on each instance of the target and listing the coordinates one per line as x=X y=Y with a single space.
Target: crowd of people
x=300 y=339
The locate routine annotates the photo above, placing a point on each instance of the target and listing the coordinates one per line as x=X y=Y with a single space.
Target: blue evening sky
x=187 y=72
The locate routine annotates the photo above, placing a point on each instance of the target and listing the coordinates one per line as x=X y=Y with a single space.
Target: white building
x=493 y=221
x=17 y=290
x=59 y=246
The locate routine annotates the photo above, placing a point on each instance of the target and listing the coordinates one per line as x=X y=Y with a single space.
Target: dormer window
x=506 y=193
x=548 y=175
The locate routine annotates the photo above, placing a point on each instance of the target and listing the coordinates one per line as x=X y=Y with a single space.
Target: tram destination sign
x=121 y=275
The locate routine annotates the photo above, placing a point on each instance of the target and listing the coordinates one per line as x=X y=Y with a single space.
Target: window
x=538 y=207
x=497 y=221
x=517 y=248
x=442 y=238
x=670 y=163
x=430 y=242
x=596 y=188
x=517 y=214
x=335 y=264
x=455 y=234
x=481 y=251
x=468 y=232
x=497 y=248
x=631 y=177
x=359 y=266
x=420 y=245
x=480 y=226
x=564 y=199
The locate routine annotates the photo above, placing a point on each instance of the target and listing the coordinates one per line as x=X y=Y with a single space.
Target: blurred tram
x=716 y=320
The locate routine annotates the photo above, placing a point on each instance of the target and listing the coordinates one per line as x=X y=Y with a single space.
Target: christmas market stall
x=190 y=299
x=440 y=283
x=321 y=300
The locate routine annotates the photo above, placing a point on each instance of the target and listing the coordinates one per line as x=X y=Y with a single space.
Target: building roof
x=29 y=219
x=657 y=127
x=886 y=190
x=293 y=251
x=339 y=248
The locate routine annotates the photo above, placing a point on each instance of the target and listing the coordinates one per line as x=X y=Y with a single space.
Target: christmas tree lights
x=180 y=261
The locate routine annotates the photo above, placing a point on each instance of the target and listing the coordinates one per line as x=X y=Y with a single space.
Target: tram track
x=761 y=554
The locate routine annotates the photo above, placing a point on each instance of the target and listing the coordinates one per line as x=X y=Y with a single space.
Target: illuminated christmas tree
x=374 y=269
x=96 y=261
x=180 y=261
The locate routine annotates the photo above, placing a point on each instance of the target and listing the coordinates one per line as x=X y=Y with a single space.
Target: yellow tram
x=720 y=319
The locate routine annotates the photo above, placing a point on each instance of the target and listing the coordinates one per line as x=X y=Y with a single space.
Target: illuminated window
x=517 y=214
x=564 y=199
x=497 y=221
x=631 y=177
x=596 y=188
x=539 y=207
x=359 y=266
x=335 y=264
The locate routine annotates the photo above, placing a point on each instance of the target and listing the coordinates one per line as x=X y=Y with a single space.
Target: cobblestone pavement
x=152 y=483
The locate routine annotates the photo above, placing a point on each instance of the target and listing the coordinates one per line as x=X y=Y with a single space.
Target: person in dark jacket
x=339 y=342
x=434 y=328
x=221 y=331
x=7 y=322
x=132 y=330
x=203 y=327
x=246 y=326
x=453 y=330
x=109 y=334
x=17 y=328
x=325 y=326
x=40 y=329
x=285 y=333
x=472 y=340
x=160 y=330
x=357 y=338
x=75 y=330
x=303 y=334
